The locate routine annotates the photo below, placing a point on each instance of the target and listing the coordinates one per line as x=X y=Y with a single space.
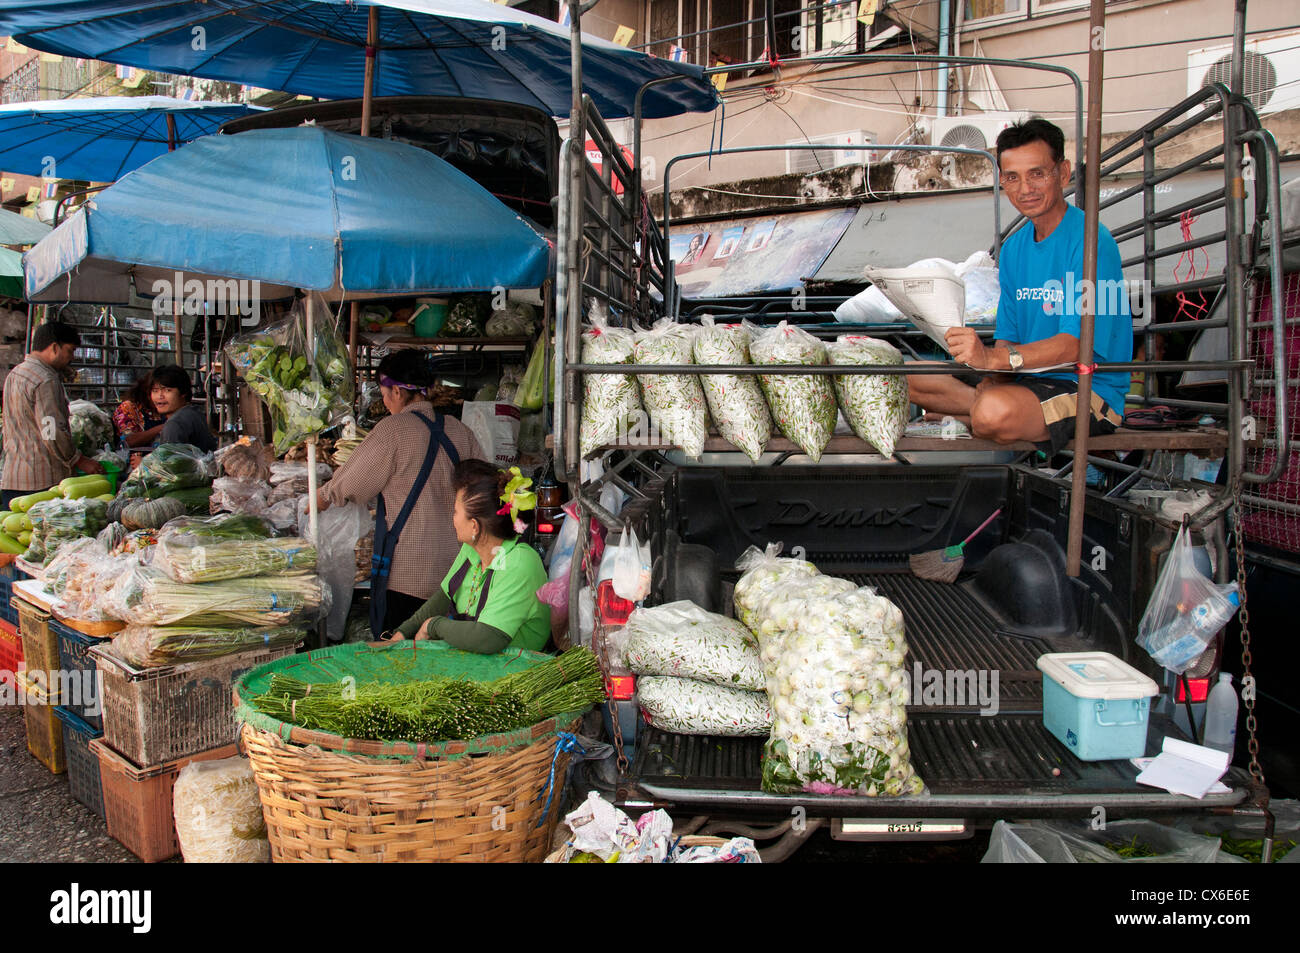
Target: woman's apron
x=381 y=562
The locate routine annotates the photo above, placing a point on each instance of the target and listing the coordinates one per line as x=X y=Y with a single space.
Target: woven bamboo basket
x=326 y=798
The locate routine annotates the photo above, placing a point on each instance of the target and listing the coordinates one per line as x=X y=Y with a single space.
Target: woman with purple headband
x=405 y=466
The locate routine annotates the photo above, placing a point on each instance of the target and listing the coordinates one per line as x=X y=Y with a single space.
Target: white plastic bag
x=868 y=307
x=631 y=576
x=496 y=426
x=1186 y=610
x=611 y=403
x=803 y=406
x=875 y=405
x=339 y=528
x=979 y=273
x=736 y=403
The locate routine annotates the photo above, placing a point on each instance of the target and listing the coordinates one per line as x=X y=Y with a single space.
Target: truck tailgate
x=973 y=764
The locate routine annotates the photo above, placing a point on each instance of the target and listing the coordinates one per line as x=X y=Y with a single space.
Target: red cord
x=1085 y=369
x=1195 y=310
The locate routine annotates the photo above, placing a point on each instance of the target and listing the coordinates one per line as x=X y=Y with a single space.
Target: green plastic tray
x=389 y=661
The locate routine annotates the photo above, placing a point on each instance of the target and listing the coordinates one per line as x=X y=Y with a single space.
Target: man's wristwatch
x=1015 y=358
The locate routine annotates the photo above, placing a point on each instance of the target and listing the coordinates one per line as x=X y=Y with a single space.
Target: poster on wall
x=752 y=256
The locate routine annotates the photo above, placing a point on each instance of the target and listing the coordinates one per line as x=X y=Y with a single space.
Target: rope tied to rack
x=1193 y=310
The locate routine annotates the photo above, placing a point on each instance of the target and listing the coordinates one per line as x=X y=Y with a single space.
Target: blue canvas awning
x=293 y=208
x=317 y=47
x=102 y=138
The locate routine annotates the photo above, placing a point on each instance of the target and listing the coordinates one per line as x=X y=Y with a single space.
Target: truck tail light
x=546 y=528
x=1200 y=688
x=621 y=688
x=613 y=609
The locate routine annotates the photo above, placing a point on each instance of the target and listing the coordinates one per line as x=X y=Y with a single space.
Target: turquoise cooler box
x=1096 y=705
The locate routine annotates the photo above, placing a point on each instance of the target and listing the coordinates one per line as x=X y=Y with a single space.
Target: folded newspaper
x=929 y=294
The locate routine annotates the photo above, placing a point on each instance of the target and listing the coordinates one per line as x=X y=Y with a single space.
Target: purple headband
x=387 y=381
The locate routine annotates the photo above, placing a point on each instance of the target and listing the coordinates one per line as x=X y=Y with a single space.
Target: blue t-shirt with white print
x=1042 y=295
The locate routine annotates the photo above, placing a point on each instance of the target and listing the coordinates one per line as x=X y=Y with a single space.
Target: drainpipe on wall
x=959 y=107
x=941 y=107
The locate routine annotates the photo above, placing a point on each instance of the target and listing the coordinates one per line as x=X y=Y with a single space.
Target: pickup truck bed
x=974 y=766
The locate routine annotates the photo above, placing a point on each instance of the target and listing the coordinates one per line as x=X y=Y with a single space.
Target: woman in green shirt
x=488 y=600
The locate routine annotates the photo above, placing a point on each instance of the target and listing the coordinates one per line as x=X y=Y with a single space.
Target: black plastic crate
x=8 y=576
x=74 y=659
x=83 y=764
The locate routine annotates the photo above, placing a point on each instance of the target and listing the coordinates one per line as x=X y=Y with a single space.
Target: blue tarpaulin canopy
x=293 y=208
x=317 y=47
x=100 y=139
x=18 y=229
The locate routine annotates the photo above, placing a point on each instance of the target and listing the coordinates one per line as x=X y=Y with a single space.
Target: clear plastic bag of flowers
x=736 y=403
x=675 y=402
x=611 y=404
x=875 y=405
x=803 y=406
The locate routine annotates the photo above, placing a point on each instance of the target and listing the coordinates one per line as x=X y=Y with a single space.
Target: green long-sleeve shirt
x=469 y=636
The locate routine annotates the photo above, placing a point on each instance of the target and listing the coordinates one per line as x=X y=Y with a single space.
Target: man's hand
x=966 y=347
x=322 y=501
x=87 y=465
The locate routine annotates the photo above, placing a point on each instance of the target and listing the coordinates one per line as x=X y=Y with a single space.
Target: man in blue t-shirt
x=1043 y=294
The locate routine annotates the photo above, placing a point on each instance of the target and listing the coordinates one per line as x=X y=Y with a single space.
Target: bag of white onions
x=690 y=707
x=833 y=655
x=765 y=572
x=682 y=639
x=675 y=402
x=736 y=403
x=219 y=814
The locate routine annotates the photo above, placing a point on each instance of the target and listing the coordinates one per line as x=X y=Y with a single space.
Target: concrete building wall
x=814 y=100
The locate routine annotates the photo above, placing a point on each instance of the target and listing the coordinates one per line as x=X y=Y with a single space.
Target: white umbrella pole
x=313 y=513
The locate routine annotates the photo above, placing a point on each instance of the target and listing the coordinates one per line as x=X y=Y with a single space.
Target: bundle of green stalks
x=438 y=709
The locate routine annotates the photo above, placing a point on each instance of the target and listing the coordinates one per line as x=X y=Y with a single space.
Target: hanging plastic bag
x=338 y=530
x=1186 y=610
x=307 y=385
x=631 y=576
x=535 y=386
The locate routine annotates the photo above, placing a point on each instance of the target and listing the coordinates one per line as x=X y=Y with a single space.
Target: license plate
x=898 y=828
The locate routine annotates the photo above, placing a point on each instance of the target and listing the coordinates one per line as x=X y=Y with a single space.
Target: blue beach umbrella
x=100 y=139
x=292 y=208
x=319 y=48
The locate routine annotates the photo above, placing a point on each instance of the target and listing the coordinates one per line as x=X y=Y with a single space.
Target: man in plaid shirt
x=39 y=449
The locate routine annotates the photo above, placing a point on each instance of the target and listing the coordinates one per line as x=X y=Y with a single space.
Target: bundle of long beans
x=214 y=562
x=152 y=646
x=438 y=709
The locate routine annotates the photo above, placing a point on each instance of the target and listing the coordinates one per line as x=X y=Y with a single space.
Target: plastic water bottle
x=1221 y=716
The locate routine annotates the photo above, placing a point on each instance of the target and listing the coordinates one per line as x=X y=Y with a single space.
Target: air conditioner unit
x=974 y=131
x=807 y=161
x=1270 y=71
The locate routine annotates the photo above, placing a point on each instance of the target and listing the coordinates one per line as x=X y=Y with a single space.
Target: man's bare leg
x=941 y=394
x=1007 y=413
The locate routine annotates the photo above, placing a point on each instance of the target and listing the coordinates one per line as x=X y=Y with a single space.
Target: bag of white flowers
x=690 y=707
x=736 y=403
x=874 y=404
x=675 y=402
x=611 y=405
x=802 y=406
x=682 y=639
